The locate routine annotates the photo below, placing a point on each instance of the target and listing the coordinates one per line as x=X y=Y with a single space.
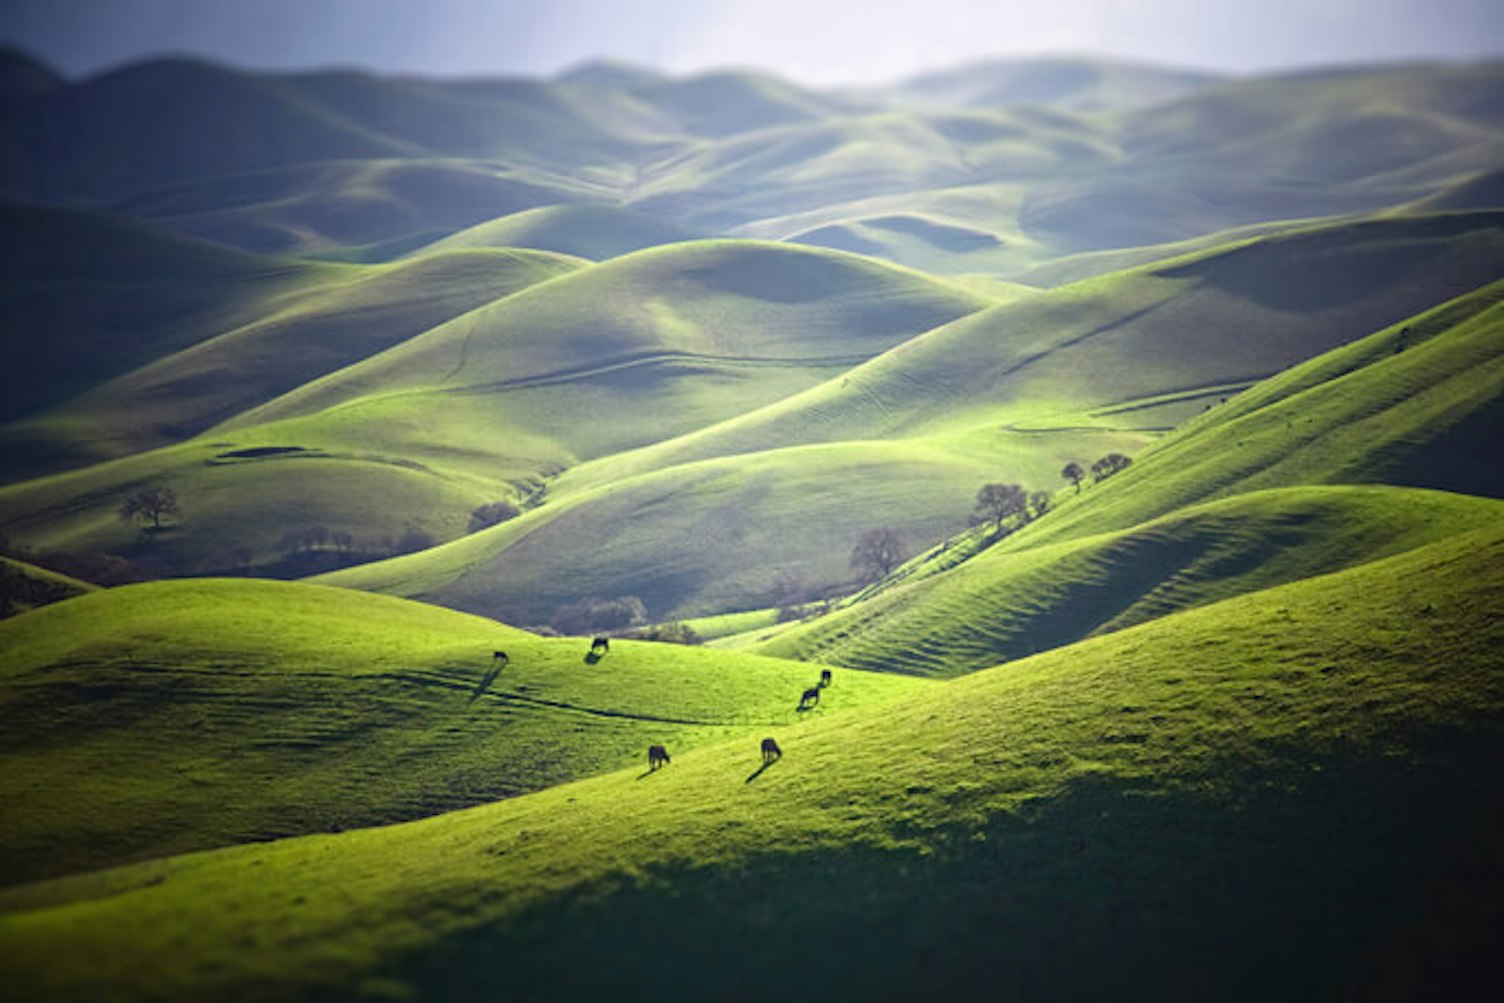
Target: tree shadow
x=485 y=683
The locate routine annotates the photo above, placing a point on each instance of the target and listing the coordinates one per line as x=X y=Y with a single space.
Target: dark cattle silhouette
x=600 y=646
x=770 y=750
x=499 y=657
x=810 y=698
x=657 y=756
x=824 y=678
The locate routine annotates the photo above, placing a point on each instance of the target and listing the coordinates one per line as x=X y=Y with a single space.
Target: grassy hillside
x=1008 y=394
x=155 y=719
x=211 y=121
x=1139 y=544
x=694 y=539
x=1086 y=85
x=1425 y=416
x=24 y=586
x=88 y=296
x=1007 y=603
x=1290 y=794
x=596 y=232
x=294 y=338
x=369 y=210
x=1139 y=350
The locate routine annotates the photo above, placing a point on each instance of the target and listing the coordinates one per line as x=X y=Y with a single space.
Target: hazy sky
x=819 y=41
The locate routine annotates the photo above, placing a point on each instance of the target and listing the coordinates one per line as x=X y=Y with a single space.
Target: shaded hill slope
x=657 y=342
x=375 y=209
x=294 y=338
x=1142 y=349
x=1304 y=772
x=1005 y=604
x=595 y=232
x=24 y=586
x=1073 y=84
x=1426 y=416
x=88 y=296
x=155 y=719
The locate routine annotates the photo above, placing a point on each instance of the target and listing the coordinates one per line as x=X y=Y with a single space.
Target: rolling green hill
x=1007 y=603
x=1012 y=393
x=156 y=719
x=1225 y=725
x=1134 y=351
x=295 y=337
x=24 y=586
x=1298 y=772
x=369 y=210
x=1085 y=85
x=1147 y=540
x=595 y=232
x=88 y=296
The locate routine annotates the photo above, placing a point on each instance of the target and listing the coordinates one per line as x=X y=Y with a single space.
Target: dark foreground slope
x=1294 y=794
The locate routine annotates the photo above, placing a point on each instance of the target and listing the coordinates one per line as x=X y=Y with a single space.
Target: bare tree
x=1073 y=473
x=149 y=503
x=877 y=552
x=1039 y=503
x=998 y=502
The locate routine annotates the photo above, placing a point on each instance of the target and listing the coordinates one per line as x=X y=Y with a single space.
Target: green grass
x=1363 y=413
x=294 y=337
x=89 y=296
x=1007 y=603
x=372 y=455
x=152 y=720
x=24 y=586
x=1305 y=772
x=589 y=231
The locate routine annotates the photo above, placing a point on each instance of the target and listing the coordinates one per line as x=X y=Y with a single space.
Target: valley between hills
x=1123 y=441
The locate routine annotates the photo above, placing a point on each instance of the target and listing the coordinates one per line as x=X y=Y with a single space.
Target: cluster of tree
x=672 y=632
x=94 y=568
x=491 y=514
x=311 y=542
x=149 y=504
x=1100 y=470
x=20 y=592
x=1005 y=504
x=311 y=538
x=877 y=552
x=596 y=614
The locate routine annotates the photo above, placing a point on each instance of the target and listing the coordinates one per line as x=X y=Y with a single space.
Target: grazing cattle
x=600 y=646
x=657 y=756
x=810 y=698
x=824 y=678
x=770 y=750
x=499 y=657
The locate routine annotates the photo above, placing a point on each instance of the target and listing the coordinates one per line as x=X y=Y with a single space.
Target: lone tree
x=1109 y=465
x=997 y=502
x=1039 y=503
x=877 y=552
x=1073 y=473
x=149 y=503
